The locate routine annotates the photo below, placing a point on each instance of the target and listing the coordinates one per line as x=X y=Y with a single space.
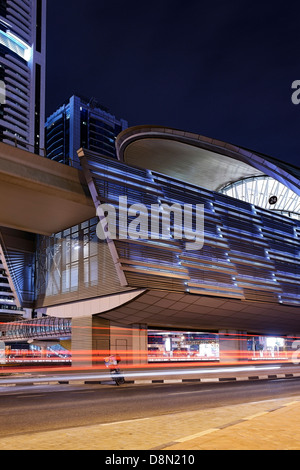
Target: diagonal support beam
x=96 y=197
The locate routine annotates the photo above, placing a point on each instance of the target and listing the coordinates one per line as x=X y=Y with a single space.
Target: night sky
x=223 y=69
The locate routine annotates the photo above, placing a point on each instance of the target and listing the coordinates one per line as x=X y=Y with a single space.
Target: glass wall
x=74 y=265
x=268 y=347
x=192 y=346
x=182 y=346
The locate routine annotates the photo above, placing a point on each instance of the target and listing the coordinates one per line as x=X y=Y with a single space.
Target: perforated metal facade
x=249 y=253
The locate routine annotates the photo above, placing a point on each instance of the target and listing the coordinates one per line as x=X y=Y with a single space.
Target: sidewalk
x=266 y=425
x=274 y=429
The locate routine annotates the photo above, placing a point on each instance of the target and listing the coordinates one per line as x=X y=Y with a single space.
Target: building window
x=39 y=25
x=37 y=115
x=3 y=6
x=173 y=346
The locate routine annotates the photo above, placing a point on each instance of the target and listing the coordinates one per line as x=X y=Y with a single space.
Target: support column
x=130 y=342
x=94 y=338
x=140 y=344
x=82 y=342
x=2 y=352
x=100 y=340
x=121 y=341
x=90 y=341
x=233 y=346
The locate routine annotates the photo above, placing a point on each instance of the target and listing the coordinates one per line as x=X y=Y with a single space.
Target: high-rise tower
x=81 y=122
x=22 y=73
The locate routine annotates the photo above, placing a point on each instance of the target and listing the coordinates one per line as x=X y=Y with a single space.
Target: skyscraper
x=81 y=122
x=22 y=73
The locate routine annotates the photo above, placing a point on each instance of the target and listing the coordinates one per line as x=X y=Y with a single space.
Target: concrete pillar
x=100 y=340
x=82 y=342
x=233 y=346
x=94 y=338
x=130 y=342
x=121 y=341
x=90 y=341
x=2 y=352
x=140 y=344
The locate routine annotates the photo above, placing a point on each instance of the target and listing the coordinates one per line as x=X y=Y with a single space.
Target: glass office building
x=22 y=116
x=81 y=122
x=22 y=73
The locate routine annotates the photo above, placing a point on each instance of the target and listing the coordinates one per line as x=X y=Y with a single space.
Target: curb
x=215 y=380
x=37 y=381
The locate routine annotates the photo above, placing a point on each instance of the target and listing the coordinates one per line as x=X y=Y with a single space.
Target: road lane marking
x=199 y=434
x=189 y=393
x=30 y=396
x=125 y=421
x=257 y=415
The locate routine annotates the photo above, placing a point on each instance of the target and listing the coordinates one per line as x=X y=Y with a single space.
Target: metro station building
x=152 y=299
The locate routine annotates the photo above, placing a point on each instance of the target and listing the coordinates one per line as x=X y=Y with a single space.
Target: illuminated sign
x=15 y=44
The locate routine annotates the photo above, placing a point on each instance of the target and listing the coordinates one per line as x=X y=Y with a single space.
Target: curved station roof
x=208 y=163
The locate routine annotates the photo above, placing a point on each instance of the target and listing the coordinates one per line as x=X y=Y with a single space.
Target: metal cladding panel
x=74 y=265
x=248 y=253
x=283 y=238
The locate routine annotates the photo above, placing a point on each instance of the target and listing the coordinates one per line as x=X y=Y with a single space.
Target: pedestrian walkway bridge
x=35 y=329
x=39 y=195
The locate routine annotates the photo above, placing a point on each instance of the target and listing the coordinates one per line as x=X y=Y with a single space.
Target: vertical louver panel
x=248 y=253
x=283 y=237
x=74 y=265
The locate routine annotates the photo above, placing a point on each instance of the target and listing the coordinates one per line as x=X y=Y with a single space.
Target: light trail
x=137 y=374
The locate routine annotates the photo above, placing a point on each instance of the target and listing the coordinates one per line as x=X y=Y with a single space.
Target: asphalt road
x=44 y=408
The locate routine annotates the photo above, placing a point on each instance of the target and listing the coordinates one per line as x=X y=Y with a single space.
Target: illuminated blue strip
x=15 y=45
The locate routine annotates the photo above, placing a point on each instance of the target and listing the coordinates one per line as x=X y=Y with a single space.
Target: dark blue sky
x=223 y=69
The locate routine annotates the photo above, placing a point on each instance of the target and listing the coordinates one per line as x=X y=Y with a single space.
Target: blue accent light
x=16 y=45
